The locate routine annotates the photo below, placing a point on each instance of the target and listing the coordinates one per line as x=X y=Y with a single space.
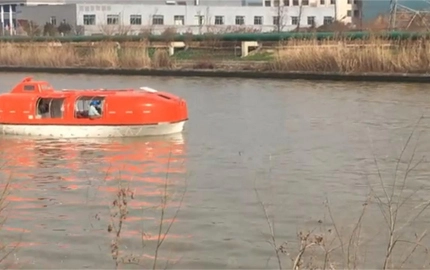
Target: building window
x=294 y=20
x=258 y=20
x=356 y=13
x=311 y=20
x=267 y=3
x=328 y=20
x=333 y=2
x=157 y=19
x=295 y=2
x=348 y=2
x=305 y=2
x=276 y=3
x=53 y=20
x=179 y=20
x=199 y=19
x=240 y=20
x=286 y=3
x=112 y=19
x=348 y=13
x=219 y=20
x=276 y=20
x=90 y=19
x=322 y=2
x=135 y=19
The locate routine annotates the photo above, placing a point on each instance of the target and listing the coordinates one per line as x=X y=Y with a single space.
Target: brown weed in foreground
x=119 y=210
x=5 y=249
x=4 y=192
x=401 y=244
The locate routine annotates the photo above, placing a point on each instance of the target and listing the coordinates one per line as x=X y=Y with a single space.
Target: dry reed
x=98 y=55
x=374 y=55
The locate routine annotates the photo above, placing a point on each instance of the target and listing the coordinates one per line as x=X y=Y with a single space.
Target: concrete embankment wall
x=368 y=77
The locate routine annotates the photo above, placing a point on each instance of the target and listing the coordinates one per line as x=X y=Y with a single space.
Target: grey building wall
x=163 y=2
x=42 y=15
x=109 y=19
x=32 y=2
x=147 y=2
x=222 y=3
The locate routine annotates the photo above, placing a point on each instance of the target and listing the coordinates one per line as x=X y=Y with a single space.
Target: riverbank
x=375 y=60
x=323 y=76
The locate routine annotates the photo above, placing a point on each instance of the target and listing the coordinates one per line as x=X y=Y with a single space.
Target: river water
x=296 y=143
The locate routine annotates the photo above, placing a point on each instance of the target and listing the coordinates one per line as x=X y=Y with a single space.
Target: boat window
x=44 y=87
x=28 y=87
x=82 y=106
x=50 y=108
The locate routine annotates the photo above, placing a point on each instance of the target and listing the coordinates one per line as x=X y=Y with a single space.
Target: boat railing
x=148 y=89
x=96 y=90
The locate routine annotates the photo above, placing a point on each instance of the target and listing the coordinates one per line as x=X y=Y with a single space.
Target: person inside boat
x=43 y=107
x=95 y=110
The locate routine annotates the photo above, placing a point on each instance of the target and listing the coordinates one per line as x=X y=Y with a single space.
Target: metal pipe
x=230 y=37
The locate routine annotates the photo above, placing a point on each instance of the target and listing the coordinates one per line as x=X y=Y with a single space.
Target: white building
x=196 y=16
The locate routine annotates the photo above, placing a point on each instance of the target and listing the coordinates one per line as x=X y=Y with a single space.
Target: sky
x=371 y=8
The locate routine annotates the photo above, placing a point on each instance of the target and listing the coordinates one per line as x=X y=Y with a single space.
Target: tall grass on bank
x=401 y=244
x=375 y=55
x=97 y=55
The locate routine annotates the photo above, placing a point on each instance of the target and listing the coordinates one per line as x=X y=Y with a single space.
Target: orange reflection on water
x=66 y=171
x=137 y=160
x=15 y=229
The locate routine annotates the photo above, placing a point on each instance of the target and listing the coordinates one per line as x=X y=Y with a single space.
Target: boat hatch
x=148 y=89
x=29 y=86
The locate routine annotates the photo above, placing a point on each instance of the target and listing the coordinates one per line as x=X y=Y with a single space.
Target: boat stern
x=159 y=108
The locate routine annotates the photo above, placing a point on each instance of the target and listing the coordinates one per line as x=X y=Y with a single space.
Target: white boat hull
x=71 y=131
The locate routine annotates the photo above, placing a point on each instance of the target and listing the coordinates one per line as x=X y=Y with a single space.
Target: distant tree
x=31 y=28
x=300 y=17
x=49 y=30
x=64 y=28
x=168 y=35
x=281 y=17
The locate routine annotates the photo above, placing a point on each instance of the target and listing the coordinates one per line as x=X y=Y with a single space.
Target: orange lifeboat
x=34 y=108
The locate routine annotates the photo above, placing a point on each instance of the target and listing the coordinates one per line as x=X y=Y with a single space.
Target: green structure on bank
x=227 y=37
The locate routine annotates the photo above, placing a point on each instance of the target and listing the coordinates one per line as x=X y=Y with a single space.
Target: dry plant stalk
x=316 y=249
x=164 y=202
x=118 y=216
x=119 y=213
x=3 y=204
x=391 y=203
x=4 y=193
